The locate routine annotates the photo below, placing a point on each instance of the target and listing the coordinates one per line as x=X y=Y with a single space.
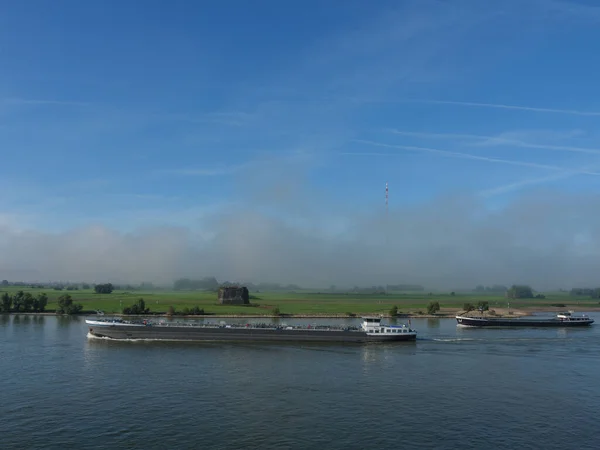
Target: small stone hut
x=234 y=295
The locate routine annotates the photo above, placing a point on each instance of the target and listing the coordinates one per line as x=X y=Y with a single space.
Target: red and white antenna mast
x=386 y=198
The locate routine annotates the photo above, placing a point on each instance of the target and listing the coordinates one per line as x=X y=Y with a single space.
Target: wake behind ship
x=370 y=330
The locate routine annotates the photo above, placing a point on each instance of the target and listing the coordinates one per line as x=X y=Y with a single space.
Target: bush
x=170 y=311
x=275 y=311
x=467 y=307
x=137 y=308
x=394 y=311
x=433 y=307
x=194 y=311
x=483 y=306
x=66 y=305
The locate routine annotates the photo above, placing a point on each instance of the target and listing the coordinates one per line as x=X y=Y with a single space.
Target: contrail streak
x=513 y=107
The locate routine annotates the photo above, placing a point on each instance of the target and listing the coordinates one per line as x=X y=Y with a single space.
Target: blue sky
x=125 y=114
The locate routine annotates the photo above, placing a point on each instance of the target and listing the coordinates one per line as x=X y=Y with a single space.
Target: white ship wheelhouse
x=373 y=326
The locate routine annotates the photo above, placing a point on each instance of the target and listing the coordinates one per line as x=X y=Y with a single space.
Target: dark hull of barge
x=242 y=334
x=520 y=322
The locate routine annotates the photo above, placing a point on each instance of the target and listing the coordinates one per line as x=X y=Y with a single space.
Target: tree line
x=592 y=293
x=494 y=288
x=23 y=302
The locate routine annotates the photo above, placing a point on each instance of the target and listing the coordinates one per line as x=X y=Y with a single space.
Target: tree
x=467 y=307
x=27 y=302
x=66 y=305
x=18 y=301
x=394 y=311
x=519 y=291
x=85 y=286
x=433 y=307
x=483 y=306
x=106 y=288
x=40 y=302
x=4 y=283
x=7 y=301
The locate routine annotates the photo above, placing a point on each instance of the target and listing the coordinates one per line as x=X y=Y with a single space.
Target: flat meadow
x=305 y=302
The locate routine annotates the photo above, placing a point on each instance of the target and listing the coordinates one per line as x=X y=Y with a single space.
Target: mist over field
x=545 y=239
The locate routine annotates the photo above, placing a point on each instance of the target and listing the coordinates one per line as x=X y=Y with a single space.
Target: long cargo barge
x=370 y=330
x=566 y=319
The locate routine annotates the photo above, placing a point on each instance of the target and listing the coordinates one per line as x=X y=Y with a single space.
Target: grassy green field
x=301 y=302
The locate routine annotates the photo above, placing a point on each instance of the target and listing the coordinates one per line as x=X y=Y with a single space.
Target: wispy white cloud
x=512 y=107
x=569 y=10
x=517 y=185
x=231 y=118
x=33 y=102
x=204 y=171
x=529 y=181
x=460 y=155
x=497 y=140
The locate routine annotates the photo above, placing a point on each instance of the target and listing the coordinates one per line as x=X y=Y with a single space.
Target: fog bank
x=546 y=239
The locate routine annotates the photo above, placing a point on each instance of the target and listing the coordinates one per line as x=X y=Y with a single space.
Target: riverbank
x=445 y=313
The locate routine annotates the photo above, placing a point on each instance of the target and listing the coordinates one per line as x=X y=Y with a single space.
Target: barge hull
x=239 y=334
x=511 y=323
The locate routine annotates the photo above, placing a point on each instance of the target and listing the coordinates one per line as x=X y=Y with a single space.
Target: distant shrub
x=350 y=314
x=193 y=311
x=275 y=311
x=433 y=307
x=137 y=308
x=394 y=311
x=66 y=305
x=483 y=306
x=170 y=311
x=559 y=305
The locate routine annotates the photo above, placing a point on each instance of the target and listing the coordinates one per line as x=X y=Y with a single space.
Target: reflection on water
x=433 y=322
x=40 y=320
x=67 y=321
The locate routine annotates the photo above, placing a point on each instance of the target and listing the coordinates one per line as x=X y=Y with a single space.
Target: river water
x=452 y=388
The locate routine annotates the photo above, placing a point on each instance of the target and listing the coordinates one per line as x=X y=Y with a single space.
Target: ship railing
x=258 y=326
